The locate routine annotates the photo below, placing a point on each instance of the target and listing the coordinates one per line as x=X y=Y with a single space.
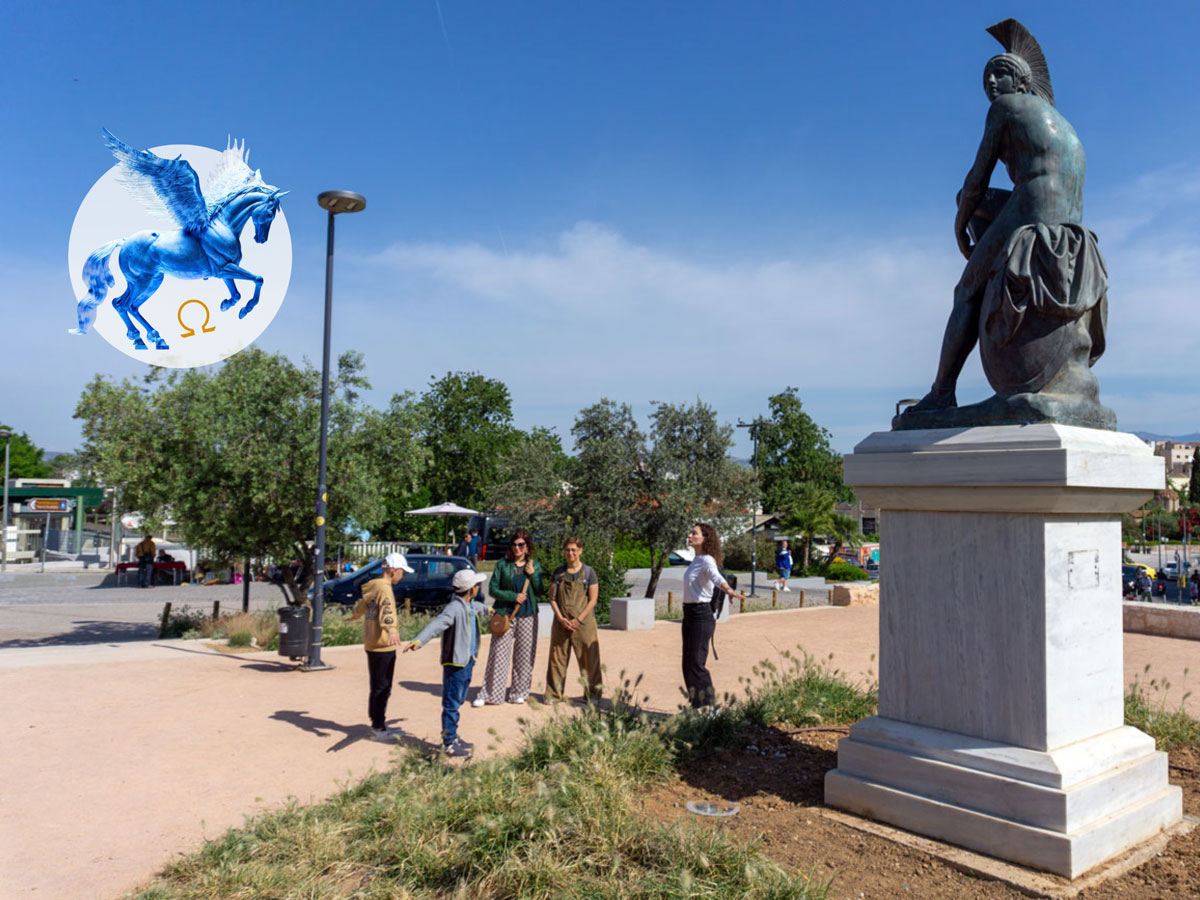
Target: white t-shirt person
x=700 y=578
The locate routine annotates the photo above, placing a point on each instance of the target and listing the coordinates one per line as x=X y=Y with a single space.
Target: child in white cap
x=381 y=637
x=459 y=628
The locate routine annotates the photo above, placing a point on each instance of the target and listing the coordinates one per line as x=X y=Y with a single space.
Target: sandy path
x=119 y=757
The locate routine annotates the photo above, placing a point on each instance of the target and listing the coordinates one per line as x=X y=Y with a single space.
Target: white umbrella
x=445 y=510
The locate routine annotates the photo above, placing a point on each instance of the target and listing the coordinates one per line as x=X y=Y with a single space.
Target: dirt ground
x=777 y=780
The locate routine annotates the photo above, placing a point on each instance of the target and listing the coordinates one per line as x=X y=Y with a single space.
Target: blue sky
x=644 y=201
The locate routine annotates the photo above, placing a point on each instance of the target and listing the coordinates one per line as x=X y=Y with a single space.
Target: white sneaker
x=383 y=735
x=787 y=589
x=478 y=701
x=520 y=699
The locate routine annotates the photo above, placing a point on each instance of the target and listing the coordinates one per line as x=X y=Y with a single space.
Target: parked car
x=426 y=588
x=494 y=535
x=1171 y=571
x=681 y=557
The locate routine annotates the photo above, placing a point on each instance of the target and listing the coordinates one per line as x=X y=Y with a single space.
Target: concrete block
x=632 y=613
x=855 y=594
x=545 y=616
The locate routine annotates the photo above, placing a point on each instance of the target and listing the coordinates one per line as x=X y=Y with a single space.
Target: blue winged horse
x=206 y=245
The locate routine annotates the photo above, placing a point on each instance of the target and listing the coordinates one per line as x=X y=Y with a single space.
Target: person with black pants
x=381 y=637
x=701 y=578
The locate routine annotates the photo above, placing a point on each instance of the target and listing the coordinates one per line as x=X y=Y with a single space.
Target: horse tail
x=99 y=279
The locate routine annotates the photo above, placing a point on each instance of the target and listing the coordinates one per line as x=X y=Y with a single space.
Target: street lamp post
x=7 y=435
x=753 y=426
x=333 y=202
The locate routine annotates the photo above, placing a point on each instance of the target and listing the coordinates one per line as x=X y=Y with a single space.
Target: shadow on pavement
x=352 y=733
x=422 y=687
x=90 y=631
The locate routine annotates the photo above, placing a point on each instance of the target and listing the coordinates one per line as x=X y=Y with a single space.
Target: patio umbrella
x=446 y=510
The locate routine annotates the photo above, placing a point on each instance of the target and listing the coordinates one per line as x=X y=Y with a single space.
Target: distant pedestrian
x=700 y=579
x=783 y=565
x=458 y=625
x=145 y=558
x=381 y=637
x=1143 y=585
x=516 y=583
x=463 y=547
x=473 y=547
x=574 y=590
x=1193 y=590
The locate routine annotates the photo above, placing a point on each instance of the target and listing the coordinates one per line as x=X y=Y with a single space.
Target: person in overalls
x=573 y=594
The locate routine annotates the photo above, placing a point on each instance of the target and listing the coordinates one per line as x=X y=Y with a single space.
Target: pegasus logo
x=205 y=244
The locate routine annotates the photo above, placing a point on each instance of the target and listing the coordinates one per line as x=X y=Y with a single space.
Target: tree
x=655 y=488
x=808 y=511
x=230 y=454
x=1193 y=493
x=25 y=457
x=794 y=455
x=530 y=480
x=467 y=421
x=845 y=533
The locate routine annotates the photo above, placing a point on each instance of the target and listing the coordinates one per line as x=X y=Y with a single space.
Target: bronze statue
x=1033 y=293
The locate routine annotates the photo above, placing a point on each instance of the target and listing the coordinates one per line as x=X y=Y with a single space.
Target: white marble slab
x=632 y=613
x=1001 y=712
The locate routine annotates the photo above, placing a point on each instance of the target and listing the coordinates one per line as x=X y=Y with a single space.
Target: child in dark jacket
x=457 y=624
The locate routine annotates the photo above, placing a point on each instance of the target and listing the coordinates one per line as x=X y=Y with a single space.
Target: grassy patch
x=560 y=818
x=1170 y=728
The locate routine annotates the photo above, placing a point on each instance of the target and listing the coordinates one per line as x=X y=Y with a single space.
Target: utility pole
x=754 y=427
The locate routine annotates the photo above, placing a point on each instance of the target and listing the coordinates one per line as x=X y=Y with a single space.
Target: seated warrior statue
x=1033 y=292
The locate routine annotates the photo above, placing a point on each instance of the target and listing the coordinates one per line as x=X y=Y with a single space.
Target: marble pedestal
x=1001 y=683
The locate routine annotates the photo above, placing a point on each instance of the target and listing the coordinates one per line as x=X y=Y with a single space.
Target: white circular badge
x=168 y=283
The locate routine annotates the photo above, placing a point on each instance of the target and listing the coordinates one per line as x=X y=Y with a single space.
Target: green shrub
x=185 y=622
x=840 y=570
x=630 y=553
x=737 y=553
x=240 y=639
x=1170 y=728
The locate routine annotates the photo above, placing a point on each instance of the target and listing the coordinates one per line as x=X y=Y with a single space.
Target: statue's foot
x=76 y=331
x=934 y=401
x=245 y=309
x=160 y=344
x=229 y=304
x=139 y=344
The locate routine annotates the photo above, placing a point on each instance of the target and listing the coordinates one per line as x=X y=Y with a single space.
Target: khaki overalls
x=572 y=598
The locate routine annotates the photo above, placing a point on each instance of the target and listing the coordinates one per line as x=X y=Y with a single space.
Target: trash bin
x=295 y=633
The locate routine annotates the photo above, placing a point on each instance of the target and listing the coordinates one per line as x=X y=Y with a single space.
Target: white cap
x=397 y=561
x=465 y=579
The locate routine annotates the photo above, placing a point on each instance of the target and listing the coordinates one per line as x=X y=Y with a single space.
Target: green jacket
x=508 y=581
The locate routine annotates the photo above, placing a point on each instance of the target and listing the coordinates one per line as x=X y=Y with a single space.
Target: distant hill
x=1192 y=438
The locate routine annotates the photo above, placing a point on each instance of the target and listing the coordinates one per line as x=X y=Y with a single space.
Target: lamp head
x=5 y=434
x=341 y=201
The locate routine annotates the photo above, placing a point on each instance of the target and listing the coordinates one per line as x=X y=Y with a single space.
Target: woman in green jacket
x=516 y=584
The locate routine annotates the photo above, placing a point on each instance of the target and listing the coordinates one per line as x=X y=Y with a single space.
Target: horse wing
x=168 y=188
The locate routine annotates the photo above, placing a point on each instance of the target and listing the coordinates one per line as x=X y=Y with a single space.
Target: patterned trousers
x=515 y=649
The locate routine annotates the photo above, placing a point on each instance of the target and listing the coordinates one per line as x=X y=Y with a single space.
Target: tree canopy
x=229 y=454
x=467 y=422
x=655 y=487
x=25 y=457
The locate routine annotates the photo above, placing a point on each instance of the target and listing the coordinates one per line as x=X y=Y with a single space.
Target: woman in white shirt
x=701 y=578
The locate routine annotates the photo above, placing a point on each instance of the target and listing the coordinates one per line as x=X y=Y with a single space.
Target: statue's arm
x=977 y=180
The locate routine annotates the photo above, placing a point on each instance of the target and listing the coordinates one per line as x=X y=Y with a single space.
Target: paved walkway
x=118 y=757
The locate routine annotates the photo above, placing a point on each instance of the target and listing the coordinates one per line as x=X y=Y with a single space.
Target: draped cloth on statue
x=1045 y=306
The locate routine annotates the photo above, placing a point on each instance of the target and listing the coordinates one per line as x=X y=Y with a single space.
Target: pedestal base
x=1000 y=673
x=1064 y=811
